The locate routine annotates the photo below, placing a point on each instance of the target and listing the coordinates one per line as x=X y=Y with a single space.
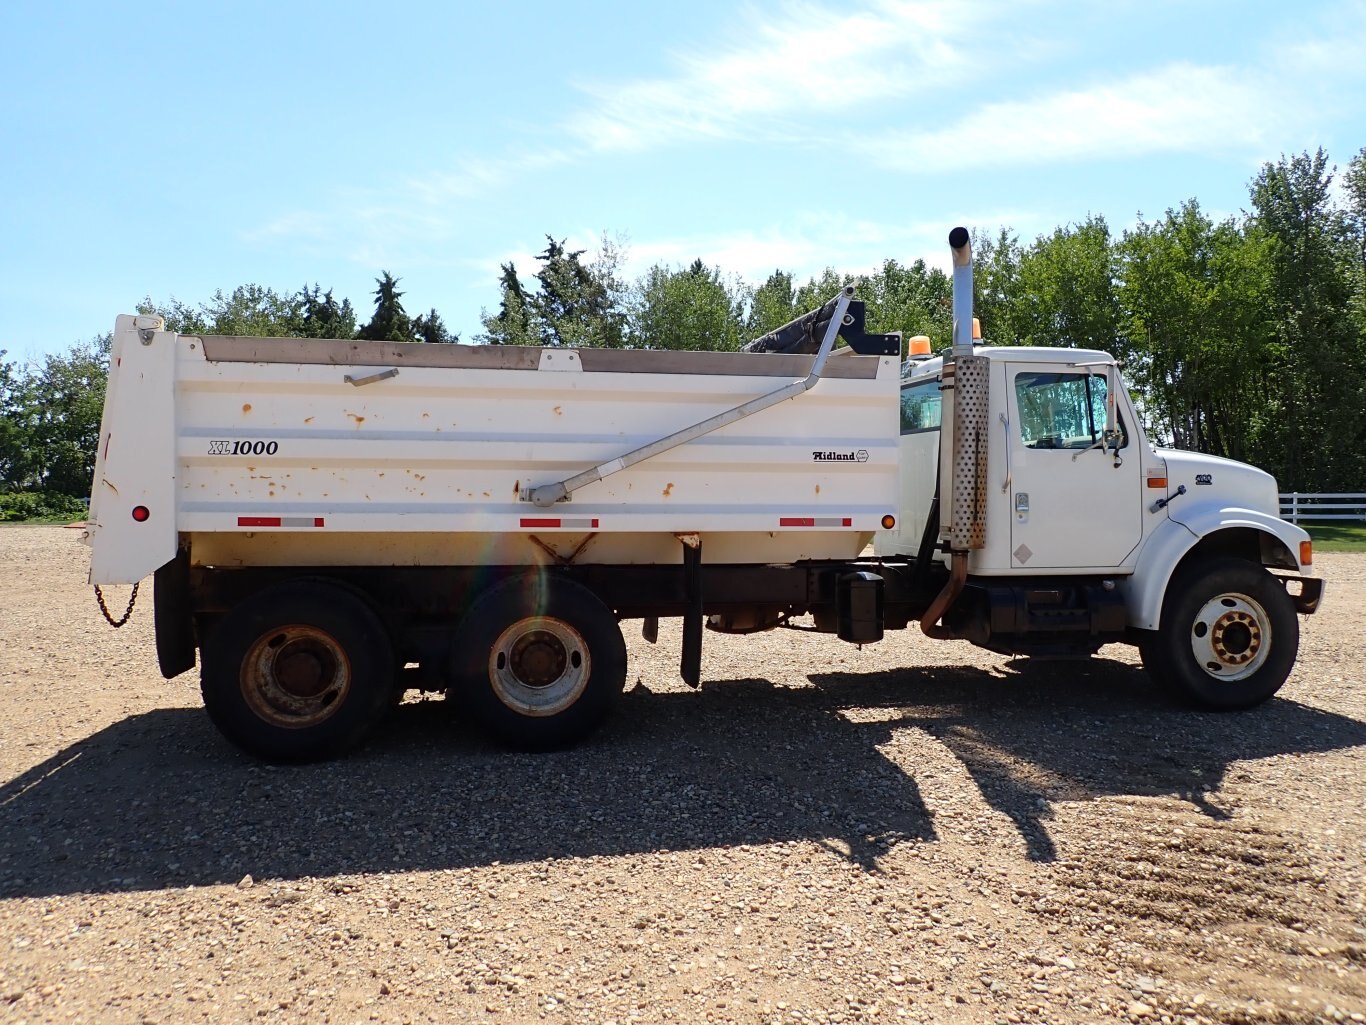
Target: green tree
x=573 y=303
x=820 y=290
x=179 y=316
x=429 y=327
x=1067 y=292
x=260 y=312
x=694 y=308
x=1194 y=295
x=915 y=300
x=1321 y=352
x=996 y=285
x=390 y=322
x=1354 y=183
x=12 y=440
x=773 y=304
x=321 y=316
x=246 y=310
x=512 y=324
x=52 y=421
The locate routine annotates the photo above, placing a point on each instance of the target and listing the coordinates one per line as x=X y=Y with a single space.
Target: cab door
x=1075 y=505
x=918 y=455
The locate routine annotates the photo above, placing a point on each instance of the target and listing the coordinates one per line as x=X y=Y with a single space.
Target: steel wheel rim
x=296 y=676
x=1231 y=637
x=539 y=666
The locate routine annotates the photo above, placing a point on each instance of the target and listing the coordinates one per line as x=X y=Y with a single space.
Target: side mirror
x=1113 y=437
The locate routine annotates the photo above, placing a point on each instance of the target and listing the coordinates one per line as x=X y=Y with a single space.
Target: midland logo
x=861 y=456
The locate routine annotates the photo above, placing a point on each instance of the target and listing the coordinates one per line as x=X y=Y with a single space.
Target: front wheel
x=1228 y=638
x=537 y=661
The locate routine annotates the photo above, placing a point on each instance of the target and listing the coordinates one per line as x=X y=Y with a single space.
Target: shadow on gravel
x=159 y=800
x=1067 y=731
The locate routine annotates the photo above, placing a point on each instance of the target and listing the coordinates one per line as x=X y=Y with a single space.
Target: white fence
x=1298 y=506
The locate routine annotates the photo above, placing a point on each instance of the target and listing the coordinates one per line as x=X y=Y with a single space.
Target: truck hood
x=1233 y=484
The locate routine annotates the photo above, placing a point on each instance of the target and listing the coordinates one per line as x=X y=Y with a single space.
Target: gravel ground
x=915 y=831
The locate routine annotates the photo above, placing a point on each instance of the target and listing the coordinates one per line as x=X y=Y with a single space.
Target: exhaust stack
x=960 y=242
x=963 y=452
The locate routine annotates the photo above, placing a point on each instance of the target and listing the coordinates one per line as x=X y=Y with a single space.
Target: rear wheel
x=1228 y=638
x=538 y=662
x=298 y=672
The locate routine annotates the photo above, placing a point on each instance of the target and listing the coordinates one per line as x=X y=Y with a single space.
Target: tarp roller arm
x=547 y=495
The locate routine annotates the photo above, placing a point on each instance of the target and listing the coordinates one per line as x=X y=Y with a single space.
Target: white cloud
x=475 y=177
x=797 y=60
x=1178 y=108
x=808 y=243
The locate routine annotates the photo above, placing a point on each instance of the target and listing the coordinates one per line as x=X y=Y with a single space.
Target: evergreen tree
x=321 y=316
x=390 y=322
x=573 y=303
x=428 y=327
x=512 y=325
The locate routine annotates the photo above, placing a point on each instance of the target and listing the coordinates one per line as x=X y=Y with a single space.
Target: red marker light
x=140 y=513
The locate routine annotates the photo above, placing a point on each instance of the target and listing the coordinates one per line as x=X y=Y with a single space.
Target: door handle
x=1005 y=429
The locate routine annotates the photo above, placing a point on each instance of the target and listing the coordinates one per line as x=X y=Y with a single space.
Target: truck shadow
x=159 y=800
x=1046 y=732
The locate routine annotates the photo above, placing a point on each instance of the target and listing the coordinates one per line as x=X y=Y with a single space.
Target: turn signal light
x=1306 y=553
x=1157 y=482
x=140 y=513
x=888 y=522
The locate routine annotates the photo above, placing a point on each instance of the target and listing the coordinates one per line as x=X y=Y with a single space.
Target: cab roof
x=1058 y=356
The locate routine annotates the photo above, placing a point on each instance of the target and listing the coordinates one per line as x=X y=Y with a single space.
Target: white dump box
x=316 y=452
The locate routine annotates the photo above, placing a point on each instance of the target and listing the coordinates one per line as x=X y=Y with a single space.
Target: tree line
x=1243 y=336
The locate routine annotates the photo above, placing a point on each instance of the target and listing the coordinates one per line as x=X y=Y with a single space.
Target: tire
x=298 y=672
x=537 y=662
x=1228 y=638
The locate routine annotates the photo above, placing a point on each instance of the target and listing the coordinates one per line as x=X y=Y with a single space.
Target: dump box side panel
x=435 y=457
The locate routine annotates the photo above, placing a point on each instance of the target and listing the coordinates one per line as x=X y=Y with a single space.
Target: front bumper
x=1309 y=595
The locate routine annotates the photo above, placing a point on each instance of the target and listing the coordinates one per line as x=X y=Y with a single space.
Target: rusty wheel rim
x=539 y=666
x=296 y=676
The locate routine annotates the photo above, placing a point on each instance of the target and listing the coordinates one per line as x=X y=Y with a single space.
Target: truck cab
x=1090 y=533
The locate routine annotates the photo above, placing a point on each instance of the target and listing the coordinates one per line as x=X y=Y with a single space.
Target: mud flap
x=690 y=663
x=172 y=616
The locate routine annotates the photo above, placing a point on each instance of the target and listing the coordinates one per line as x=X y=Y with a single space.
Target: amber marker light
x=1157 y=482
x=1306 y=553
x=889 y=521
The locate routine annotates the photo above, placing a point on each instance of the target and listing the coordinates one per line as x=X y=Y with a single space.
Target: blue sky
x=169 y=149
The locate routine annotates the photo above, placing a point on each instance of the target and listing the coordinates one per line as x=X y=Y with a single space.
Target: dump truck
x=329 y=522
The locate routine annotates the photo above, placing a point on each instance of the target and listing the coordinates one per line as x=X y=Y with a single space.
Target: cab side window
x=1062 y=410
x=920 y=407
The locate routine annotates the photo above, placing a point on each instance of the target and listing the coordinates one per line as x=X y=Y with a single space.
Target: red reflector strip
x=815 y=521
x=280 y=521
x=582 y=524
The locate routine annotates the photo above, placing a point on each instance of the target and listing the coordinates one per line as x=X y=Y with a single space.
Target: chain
x=116 y=623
